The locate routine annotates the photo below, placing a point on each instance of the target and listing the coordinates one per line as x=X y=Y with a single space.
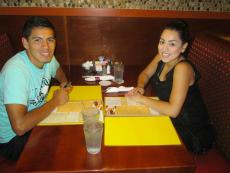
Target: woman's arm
x=183 y=77
x=144 y=76
x=147 y=73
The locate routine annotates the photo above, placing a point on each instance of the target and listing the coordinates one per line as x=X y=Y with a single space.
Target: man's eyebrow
x=33 y=37
x=52 y=37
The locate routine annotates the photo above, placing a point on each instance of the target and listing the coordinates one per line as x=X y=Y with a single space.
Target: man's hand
x=61 y=96
x=67 y=85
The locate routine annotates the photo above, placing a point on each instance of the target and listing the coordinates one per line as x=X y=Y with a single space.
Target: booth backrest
x=211 y=55
x=6 y=50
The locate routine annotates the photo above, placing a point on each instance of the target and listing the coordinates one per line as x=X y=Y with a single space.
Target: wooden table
x=62 y=149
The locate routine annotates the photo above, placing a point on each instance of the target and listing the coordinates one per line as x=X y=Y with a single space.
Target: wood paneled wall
x=133 y=39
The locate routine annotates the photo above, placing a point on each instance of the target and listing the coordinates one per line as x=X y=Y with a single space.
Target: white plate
x=104 y=77
x=105 y=83
x=107 y=77
x=90 y=79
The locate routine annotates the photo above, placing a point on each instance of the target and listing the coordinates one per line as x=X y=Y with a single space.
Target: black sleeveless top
x=192 y=123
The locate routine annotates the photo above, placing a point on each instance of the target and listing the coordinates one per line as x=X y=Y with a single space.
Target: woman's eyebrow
x=166 y=39
x=172 y=41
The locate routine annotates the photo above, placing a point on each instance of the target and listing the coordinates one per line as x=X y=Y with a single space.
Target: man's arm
x=61 y=77
x=23 y=121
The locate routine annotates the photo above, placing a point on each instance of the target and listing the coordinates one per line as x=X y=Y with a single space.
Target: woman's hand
x=135 y=91
x=136 y=94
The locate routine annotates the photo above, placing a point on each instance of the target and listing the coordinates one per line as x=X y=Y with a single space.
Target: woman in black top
x=175 y=81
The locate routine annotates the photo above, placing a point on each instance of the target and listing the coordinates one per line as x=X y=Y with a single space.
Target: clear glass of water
x=90 y=113
x=93 y=131
x=118 y=70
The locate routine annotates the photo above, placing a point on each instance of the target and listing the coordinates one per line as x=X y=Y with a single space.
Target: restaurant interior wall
x=128 y=35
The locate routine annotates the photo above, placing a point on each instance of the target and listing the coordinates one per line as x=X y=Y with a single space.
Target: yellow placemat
x=70 y=107
x=122 y=106
x=133 y=110
x=70 y=113
x=142 y=131
x=80 y=93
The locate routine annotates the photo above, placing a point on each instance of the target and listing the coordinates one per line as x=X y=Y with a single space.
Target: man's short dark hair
x=34 y=22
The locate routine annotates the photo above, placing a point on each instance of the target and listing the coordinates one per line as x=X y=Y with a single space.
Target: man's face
x=40 y=45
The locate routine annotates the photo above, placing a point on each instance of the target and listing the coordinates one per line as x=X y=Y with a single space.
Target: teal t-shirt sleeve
x=16 y=86
x=54 y=65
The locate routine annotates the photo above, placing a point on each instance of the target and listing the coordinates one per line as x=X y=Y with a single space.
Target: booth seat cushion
x=7 y=166
x=6 y=51
x=211 y=55
x=211 y=162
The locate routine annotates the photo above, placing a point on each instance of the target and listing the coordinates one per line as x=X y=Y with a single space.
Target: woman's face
x=170 y=45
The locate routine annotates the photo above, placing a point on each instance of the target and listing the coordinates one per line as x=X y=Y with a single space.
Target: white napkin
x=104 y=77
x=118 y=89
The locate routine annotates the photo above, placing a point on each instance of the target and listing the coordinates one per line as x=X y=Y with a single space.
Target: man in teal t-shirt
x=24 y=83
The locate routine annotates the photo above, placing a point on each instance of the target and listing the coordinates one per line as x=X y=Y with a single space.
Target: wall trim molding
x=113 y=13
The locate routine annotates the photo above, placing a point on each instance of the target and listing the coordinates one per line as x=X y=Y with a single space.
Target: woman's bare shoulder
x=184 y=69
x=184 y=65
